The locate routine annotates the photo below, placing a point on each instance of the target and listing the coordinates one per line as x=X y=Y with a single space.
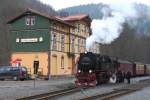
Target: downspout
x=69 y=38
x=49 y=63
x=49 y=57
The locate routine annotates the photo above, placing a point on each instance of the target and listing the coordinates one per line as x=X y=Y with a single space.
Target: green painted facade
x=20 y=31
x=40 y=23
x=30 y=46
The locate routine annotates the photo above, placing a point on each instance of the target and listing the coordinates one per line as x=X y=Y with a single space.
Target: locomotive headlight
x=90 y=71
x=79 y=71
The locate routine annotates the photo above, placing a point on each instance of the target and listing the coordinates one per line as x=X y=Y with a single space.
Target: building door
x=54 y=65
x=71 y=65
x=36 y=67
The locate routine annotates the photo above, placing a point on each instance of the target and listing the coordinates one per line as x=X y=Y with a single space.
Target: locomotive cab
x=104 y=69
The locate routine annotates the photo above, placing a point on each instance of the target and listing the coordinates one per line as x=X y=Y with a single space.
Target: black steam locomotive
x=95 y=69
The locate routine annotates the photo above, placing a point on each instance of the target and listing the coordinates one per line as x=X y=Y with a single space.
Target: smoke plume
x=107 y=29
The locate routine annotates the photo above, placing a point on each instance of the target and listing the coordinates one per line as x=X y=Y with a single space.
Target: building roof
x=29 y=10
x=73 y=17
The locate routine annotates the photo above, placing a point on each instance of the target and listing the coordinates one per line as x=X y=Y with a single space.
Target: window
x=84 y=43
x=78 y=27
x=72 y=43
x=54 y=25
x=30 y=20
x=58 y=27
x=87 y=30
x=84 y=28
x=73 y=30
x=62 y=28
x=79 y=45
x=54 y=40
x=62 y=42
x=62 y=62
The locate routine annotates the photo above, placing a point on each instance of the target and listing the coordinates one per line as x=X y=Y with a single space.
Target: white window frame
x=30 y=20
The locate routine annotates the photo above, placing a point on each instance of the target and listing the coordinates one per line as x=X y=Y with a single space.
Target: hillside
x=140 y=24
x=7 y=11
x=94 y=10
x=133 y=43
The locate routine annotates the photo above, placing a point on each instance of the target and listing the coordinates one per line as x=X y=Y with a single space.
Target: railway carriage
x=147 y=69
x=140 y=69
x=125 y=66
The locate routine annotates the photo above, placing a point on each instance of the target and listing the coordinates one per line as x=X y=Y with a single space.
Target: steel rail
x=50 y=94
x=117 y=92
x=59 y=94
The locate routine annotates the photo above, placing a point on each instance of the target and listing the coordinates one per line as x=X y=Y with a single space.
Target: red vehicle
x=93 y=69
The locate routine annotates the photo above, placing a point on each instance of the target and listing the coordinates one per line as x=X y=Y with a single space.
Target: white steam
x=103 y=29
x=109 y=27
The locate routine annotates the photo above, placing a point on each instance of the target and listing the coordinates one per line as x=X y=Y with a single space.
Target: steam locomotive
x=93 y=69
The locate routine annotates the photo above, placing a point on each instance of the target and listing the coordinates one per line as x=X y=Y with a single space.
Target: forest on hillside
x=133 y=43
x=9 y=9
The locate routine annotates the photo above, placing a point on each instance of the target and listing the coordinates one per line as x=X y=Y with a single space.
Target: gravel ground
x=89 y=92
x=11 y=90
x=99 y=90
x=144 y=94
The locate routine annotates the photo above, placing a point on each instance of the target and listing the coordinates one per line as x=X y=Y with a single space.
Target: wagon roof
x=124 y=61
x=139 y=63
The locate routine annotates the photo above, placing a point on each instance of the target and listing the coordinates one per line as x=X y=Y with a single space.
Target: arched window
x=62 y=62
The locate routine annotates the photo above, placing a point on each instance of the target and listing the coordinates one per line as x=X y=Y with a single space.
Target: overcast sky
x=59 y=4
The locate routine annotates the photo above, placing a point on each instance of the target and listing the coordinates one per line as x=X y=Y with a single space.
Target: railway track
x=105 y=96
x=50 y=95
x=117 y=92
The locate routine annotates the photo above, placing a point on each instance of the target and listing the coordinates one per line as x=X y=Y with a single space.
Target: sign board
x=29 y=40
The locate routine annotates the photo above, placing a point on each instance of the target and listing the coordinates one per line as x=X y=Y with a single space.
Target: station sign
x=29 y=40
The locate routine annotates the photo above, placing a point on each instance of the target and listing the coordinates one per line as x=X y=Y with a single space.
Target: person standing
x=124 y=76
x=128 y=76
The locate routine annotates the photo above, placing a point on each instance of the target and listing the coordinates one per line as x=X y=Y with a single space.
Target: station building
x=51 y=42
